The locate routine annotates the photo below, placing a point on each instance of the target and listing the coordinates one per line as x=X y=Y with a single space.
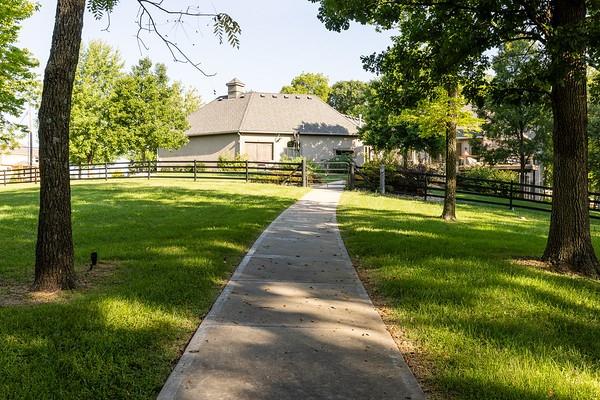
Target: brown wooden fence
x=286 y=173
x=469 y=190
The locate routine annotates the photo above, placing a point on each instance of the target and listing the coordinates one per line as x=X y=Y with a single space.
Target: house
x=468 y=157
x=18 y=157
x=268 y=127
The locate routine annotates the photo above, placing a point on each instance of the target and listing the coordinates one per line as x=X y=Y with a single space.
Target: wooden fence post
x=426 y=186
x=148 y=169
x=105 y=171
x=4 y=173
x=304 y=175
x=195 y=170
x=352 y=176
x=79 y=175
x=382 y=178
x=35 y=174
x=511 y=195
x=247 y=173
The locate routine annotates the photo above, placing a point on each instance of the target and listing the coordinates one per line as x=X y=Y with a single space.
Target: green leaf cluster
x=18 y=83
x=309 y=83
x=349 y=97
x=125 y=114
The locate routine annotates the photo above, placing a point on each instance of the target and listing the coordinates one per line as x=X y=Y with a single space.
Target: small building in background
x=268 y=127
x=18 y=158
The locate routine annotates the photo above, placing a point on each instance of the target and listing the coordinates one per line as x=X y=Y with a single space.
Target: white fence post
x=304 y=175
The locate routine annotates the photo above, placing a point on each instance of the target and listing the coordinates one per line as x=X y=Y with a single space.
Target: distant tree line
x=348 y=97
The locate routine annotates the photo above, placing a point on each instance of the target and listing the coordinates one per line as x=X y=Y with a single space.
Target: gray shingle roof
x=270 y=113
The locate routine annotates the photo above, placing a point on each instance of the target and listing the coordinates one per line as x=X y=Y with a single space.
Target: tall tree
x=17 y=81
x=93 y=136
x=54 y=248
x=567 y=32
x=442 y=115
x=348 y=97
x=519 y=122
x=385 y=130
x=309 y=83
x=149 y=112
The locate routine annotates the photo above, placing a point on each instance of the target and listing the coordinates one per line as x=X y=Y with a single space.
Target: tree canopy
x=454 y=37
x=149 y=112
x=17 y=81
x=349 y=97
x=117 y=114
x=93 y=135
x=518 y=122
x=316 y=84
x=54 y=261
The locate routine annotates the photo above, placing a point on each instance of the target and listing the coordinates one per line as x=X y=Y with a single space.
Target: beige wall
x=313 y=147
x=203 y=148
x=322 y=148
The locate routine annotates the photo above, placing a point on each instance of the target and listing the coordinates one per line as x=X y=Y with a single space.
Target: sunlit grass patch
x=166 y=249
x=485 y=324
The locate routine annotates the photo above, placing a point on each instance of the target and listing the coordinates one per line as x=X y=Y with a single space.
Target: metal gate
x=328 y=174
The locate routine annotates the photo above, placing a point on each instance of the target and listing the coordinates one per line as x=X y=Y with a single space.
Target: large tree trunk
x=54 y=249
x=569 y=241
x=449 y=212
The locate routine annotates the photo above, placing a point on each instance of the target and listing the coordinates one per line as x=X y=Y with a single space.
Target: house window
x=344 y=152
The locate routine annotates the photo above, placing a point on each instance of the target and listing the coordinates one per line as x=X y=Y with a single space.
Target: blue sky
x=280 y=38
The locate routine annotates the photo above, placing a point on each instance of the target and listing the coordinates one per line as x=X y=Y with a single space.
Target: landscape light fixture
x=93 y=259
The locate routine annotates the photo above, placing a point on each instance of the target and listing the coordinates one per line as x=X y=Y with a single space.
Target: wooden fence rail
x=288 y=173
x=469 y=190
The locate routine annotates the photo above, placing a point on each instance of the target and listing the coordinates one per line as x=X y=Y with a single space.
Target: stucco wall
x=322 y=148
x=203 y=148
x=313 y=147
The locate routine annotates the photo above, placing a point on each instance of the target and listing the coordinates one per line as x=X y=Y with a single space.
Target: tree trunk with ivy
x=569 y=243
x=54 y=249
x=449 y=212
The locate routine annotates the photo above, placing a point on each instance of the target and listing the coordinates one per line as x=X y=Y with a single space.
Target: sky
x=280 y=39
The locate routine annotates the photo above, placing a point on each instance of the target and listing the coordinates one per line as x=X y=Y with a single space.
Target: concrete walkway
x=294 y=322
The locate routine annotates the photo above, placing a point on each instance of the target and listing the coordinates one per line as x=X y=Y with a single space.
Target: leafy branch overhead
x=18 y=84
x=225 y=28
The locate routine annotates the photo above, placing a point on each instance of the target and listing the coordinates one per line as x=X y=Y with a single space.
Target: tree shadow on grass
x=454 y=287
x=175 y=248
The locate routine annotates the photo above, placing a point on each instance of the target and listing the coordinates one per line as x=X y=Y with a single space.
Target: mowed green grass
x=488 y=328
x=173 y=246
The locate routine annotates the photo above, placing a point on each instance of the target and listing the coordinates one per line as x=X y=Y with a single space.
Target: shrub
x=490 y=173
x=229 y=164
x=487 y=180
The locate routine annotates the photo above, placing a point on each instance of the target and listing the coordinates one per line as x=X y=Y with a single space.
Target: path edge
x=176 y=377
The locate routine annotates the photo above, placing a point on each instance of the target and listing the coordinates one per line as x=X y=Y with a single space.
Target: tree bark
x=405 y=158
x=569 y=241
x=522 y=161
x=54 y=249
x=449 y=212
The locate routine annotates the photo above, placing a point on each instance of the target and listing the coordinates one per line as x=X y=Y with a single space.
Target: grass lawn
x=481 y=326
x=168 y=248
